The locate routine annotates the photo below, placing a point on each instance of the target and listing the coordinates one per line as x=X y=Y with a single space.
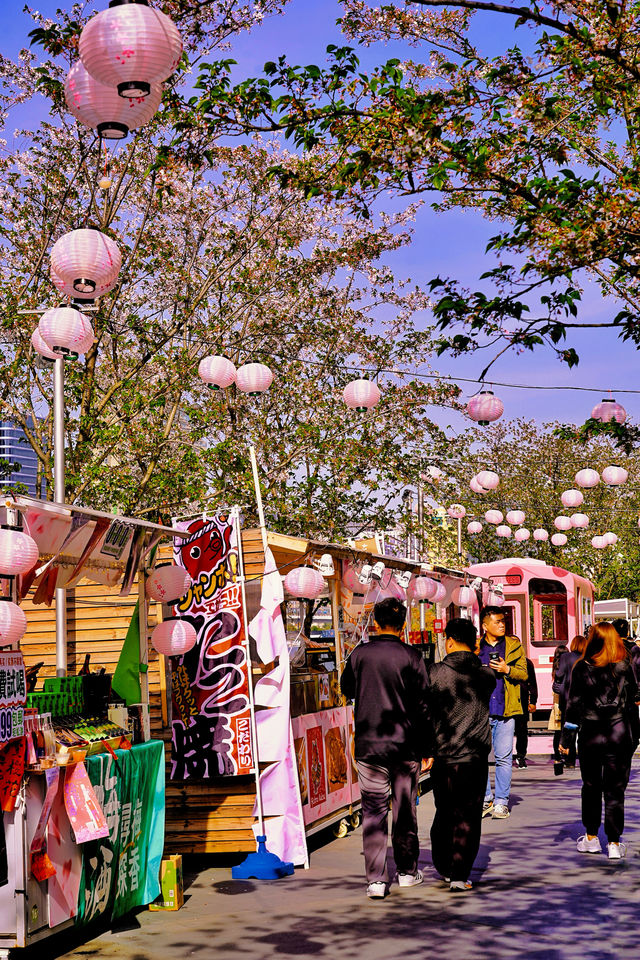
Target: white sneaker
x=460 y=886
x=410 y=879
x=616 y=851
x=586 y=845
x=377 y=890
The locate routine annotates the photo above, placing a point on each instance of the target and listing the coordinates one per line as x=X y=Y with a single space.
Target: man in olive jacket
x=507 y=658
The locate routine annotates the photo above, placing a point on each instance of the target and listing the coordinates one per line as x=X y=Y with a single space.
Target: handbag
x=554 y=717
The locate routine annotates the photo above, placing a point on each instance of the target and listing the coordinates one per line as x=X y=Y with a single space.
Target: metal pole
x=258 y=492
x=459 y=537
x=58 y=496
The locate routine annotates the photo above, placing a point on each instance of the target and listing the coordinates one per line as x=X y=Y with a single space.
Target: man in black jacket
x=387 y=680
x=458 y=701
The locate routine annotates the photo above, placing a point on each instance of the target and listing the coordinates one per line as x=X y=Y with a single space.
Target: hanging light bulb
x=100 y=108
x=40 y=346
x=485 y=407
x=217 y=372
x=361 y=395
x=608 y=410
x=85 y=263
x=254 y=378
x=130 y=46
x=66 y=331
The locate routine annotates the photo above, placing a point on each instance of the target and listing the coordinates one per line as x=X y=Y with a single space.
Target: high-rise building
x=14 y=447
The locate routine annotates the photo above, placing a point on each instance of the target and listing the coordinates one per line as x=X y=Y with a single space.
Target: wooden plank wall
x=201 y=817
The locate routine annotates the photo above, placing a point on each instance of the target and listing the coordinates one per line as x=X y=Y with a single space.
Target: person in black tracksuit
x=387 y=680
x=562 y=671
x=602 y=704
x=529 y=696
x=460 y=689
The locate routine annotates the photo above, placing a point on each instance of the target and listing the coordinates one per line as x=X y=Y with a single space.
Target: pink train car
x=544 y=606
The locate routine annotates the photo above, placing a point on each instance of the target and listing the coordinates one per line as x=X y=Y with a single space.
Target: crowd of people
x=476 y=700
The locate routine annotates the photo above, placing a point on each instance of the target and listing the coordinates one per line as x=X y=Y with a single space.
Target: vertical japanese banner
x=211 y=727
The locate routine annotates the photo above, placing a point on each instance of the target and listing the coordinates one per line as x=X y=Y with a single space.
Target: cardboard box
x=171 y=885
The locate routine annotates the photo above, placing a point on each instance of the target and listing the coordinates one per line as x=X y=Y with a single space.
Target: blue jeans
x=502 y=736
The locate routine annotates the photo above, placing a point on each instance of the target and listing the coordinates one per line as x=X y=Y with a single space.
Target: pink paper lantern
x=217 y=372
x=474 y=527
x=174 y=637
x=503 y=531
x=304 y=582
x=495 y=599
x=168 y=583
x=129 y=47
x=488 y=479
x=254 y=378
x=572 y=498
x=598 y=542
x=463 y=596
x=476 y=486
x=361 y=395
x=540 y=534
x=614 y=476
x=608 y=410
x=456 y=511
x=493 y=516
x=515 y=517
x=423 y=589
x=521 y=535
x=13 y=622
x=85 y=263
x=440 y=593
x=580 y=520
x=18 y=553
x=484 y=408
x=66 y=331
x=609 y=538
x=350 y=580
x=559 y=539
x=40 y=346
x=587 y=478
x=102 y=109
x=562 y=523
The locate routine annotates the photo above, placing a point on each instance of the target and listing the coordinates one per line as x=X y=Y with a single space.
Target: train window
x=548 y=612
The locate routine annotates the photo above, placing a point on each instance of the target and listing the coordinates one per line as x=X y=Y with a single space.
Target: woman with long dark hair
x=601 y=704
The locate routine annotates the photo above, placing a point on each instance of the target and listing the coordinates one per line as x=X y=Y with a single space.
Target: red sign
x=317 y=776
x=438 y=626
x=11 y=773
x=510 y=579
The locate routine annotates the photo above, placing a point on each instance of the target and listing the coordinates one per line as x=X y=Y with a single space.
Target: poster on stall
x=83 y=807
x=323 y=753
x=121 y=871
x=211 y=719
x=13 y=695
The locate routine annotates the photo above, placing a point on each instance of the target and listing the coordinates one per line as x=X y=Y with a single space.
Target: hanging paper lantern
x=609 y=538
x=495 y=599
x=485 y=407
x=40 y=346
x=521 y=535
x=598 y=542
x=608 y=410
x=488 y=479
x=18 y=552
x=217 y=372
x=587 y=478
x=562 y=523
x=423 y=589
x=304 y=582
x=130 y=46
x=102 y=109
x=515 y=517
x=456 y=511
x=580 y=520
x=254 y=378
x=85 y=263
x=503 y=531
x=440 y=593
x=614 y=476
x=66 y=331
x=361 y=395
x=493 y=516
x=572 y=498
x=463 y=596
x=13 y=622
x=540 y=534
x=174 y=637
x=476 y=486
x=474 y=527
x=559 y=539
x=168 y=583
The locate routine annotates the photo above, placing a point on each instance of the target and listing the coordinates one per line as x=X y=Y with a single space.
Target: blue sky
x=450 y=244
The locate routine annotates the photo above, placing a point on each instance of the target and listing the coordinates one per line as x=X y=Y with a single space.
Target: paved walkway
x=536 y=899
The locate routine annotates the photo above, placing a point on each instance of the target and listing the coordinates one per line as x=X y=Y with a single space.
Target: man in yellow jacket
x=504 y=655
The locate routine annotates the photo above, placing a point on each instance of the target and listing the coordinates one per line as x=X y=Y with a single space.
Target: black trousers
x=458 y=793
x=605 y=753
x=522 y=734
